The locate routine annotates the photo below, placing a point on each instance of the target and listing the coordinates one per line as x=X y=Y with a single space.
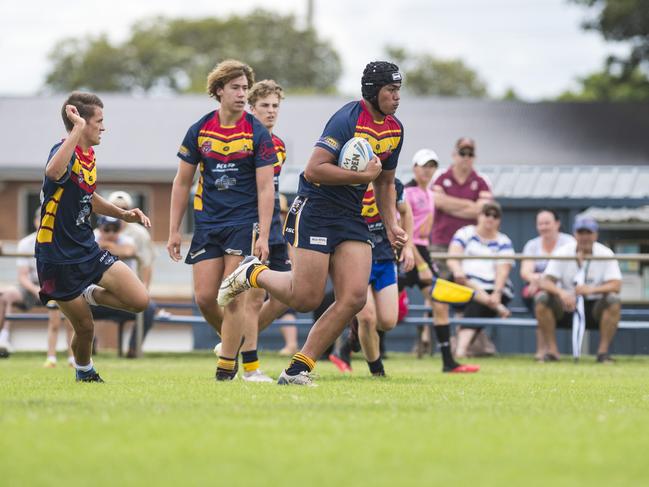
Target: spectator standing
x=602 y=282
x=550 y=238
x=460 y=192
x=490 y=275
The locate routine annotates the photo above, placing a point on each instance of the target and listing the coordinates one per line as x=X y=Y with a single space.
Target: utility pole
x=309 y=14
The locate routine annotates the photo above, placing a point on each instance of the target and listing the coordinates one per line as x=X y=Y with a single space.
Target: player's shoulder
x=393 y=121
x=278 y=140
x=257 y=127
x=201 y=123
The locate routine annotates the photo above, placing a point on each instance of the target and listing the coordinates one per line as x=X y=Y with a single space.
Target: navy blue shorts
x=278 y=258
x=322 y=226
x=215 y=243
x=64 y=282
x=384 y=274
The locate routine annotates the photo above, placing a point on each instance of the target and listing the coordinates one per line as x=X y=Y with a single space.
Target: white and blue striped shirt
x=483 y=272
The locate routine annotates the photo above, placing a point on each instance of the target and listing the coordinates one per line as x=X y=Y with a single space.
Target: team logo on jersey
x=267 y=151
x=330 y=142
x=474 y=185
x=183 y=151
x=206 y=148
x=224 y=183
x=447 y=183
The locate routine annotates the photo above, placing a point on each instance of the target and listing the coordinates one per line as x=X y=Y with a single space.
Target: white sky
x=535 y=46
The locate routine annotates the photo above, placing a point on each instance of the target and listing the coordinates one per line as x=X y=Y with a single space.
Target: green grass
x=163 y=420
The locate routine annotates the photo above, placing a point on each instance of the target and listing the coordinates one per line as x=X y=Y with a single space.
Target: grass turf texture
x=163 y=420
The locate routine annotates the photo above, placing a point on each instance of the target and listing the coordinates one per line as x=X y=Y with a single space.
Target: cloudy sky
x=535 y=46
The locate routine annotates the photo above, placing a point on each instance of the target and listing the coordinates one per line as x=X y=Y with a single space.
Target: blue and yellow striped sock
x=250 y=361
x=300 y=363
x=226 y=365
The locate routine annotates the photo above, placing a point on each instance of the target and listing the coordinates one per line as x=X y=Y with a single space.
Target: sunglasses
x=492 y=214
x=110 y=228
x=466 y=152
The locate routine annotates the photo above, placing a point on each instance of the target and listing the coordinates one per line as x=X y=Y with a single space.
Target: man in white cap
x=142 y=238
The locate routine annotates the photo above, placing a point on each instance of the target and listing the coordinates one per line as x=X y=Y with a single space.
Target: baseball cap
x=107 y=220
x=116 y=196
x=585 y=223
x=424 y=156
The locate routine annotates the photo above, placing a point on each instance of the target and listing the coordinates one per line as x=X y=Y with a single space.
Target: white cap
x=115 y=196
x=424 y=156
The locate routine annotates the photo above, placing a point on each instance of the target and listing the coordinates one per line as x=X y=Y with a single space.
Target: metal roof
x=143 y=135
x=544 y=182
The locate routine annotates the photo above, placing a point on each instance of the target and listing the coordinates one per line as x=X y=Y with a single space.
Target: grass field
x=163 y=420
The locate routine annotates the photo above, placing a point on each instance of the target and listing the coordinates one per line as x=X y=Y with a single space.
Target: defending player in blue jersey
x=325 y=225
x=235 y=155
x=72 y=269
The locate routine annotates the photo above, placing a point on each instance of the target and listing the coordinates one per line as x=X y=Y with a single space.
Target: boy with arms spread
x=72 y=269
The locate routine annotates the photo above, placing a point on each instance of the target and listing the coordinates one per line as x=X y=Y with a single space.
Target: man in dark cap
x=324 y=224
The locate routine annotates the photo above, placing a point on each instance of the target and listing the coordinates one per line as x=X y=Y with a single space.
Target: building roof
x=143 y=134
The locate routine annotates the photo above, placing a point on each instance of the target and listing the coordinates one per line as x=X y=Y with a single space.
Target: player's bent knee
x=387 y=325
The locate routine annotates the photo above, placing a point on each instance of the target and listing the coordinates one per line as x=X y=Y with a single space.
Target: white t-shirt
x=483 y=272
x=535 y=247
x=597 y=271
x=122 y=240
x=26 y=246
x=143 y=243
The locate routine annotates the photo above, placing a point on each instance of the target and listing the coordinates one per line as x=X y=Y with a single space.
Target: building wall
x=15 y=219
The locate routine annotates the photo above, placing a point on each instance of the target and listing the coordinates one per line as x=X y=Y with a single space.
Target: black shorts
x=474 y=309
x=411 y=278
x=278 y=258
x=214 y=243
x=322 y=226
x=592 y=323
x=64 y=282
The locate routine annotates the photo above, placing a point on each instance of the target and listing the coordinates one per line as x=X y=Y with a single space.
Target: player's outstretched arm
x=104 y=207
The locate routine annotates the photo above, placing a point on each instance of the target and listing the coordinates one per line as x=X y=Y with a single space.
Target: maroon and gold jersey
x=228 y=157
x=354 y=120
x=65 y=234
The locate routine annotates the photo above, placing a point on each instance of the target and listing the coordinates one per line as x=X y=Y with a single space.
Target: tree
x=623 y=20
x=427 y=75
x=177 y=54
x=606 y=86
x=622 y=78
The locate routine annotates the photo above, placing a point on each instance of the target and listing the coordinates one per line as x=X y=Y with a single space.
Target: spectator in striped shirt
x=490 y=275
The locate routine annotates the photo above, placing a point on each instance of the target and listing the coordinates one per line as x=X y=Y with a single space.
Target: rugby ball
x=355 y=154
